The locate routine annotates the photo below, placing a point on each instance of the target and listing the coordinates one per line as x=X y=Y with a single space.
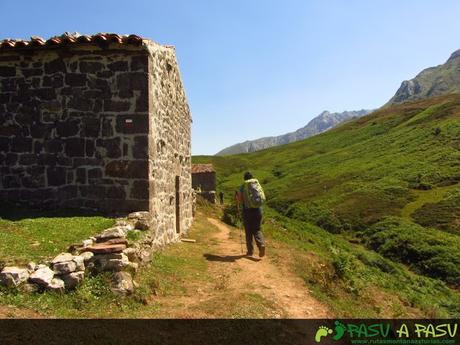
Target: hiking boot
x=261 y=252
x=249 y=254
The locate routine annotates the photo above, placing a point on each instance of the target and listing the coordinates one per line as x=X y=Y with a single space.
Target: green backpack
x=253 y=193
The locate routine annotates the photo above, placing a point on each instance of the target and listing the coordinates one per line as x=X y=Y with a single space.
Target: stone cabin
x=96 y=122
x=204 y=177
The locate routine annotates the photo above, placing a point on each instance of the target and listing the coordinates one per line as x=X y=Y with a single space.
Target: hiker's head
x=247 y=175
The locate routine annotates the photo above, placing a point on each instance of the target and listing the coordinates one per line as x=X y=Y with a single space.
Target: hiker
x=251 y=196
x=221 y=197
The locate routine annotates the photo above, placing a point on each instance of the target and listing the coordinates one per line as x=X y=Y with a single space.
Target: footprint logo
x=339 y=330
x=322 y=331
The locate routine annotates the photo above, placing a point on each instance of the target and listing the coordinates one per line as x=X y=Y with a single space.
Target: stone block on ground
x=114 y=241
x=122 y=283
x=103 y=248
x=71 y=280
x=64 y=267
x=79 y=262
x=130 y=253
x=87 y=256
x=86 y=243
x=123 y=222
x=110 y=262
x=141 y=219
x=31 y=266
x=13 y=276
x=29 y=288
x=56 y=285
x=138 y=215
x=115 y=232
x=63 y=257
x=42 y=276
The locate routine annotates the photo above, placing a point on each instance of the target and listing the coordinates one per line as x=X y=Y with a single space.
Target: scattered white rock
x=79 y=262
x=115 y=232
x=122 y=283
x=138 y=215
x=64 y=267
x=71 y=280
x=31 y=266
x=110 y=262
x=86 y=256
x=122 y=222
x=13 y=276
x=134 y=266
x=87 y=243
x=56 y=284
x=141 y=219
x=130 y=253
x=63 y=257
x=42 y=276
x=28 y=287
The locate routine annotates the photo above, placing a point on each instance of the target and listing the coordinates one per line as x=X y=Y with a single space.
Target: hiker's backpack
x=253 y=193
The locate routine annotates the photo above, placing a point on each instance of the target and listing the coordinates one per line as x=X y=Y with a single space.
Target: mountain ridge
x=319 y=124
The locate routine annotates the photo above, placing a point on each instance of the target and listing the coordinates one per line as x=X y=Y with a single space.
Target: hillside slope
x=434 y=81
x=319 y=124
x=375 y=180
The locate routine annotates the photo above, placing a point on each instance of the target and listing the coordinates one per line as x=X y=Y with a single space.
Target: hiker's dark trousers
x=252 y=218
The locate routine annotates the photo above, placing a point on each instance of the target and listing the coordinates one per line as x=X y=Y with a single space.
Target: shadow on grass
x=228 y=258
x=15 y=213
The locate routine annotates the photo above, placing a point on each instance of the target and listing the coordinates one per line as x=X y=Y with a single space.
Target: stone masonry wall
x=74 y=129
x=169 y=148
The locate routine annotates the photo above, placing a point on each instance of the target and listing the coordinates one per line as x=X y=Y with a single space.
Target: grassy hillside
x=388 y=182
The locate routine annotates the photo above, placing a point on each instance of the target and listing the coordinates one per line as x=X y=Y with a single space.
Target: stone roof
x=71 y=39
x=202 y=168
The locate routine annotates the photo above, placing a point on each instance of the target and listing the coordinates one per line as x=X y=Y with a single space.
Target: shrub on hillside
x=426 y=251
x=444 y=215
x=317 y=214
x=230 y=215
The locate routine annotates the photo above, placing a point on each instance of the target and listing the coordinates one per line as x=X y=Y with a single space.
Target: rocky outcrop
x=434 y=81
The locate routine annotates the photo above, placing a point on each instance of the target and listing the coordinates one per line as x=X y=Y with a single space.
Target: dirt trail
x=275 y=283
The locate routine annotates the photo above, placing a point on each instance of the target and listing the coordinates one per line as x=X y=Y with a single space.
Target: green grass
x=443 y=214
x=32 y=235
x=402 y=160
x=425 y=197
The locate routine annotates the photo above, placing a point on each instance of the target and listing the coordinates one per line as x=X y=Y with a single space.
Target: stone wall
x=169 y=148
x=74 y=126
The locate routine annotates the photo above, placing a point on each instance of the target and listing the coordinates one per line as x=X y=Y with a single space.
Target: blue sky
x=258 y=68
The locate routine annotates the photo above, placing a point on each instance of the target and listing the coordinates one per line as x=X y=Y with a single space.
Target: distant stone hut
x=204 y=181
x=96 y=122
